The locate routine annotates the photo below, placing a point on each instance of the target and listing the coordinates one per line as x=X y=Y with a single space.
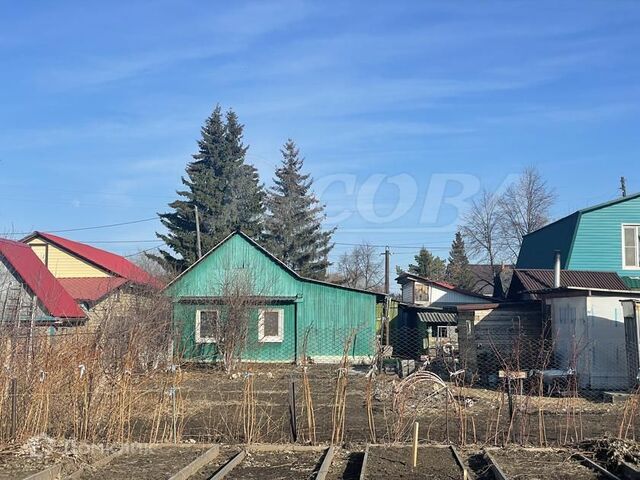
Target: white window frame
x=200 y=338
x=262 y=338
x=637 y=240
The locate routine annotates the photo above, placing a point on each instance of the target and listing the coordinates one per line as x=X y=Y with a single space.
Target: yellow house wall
x=62 y=264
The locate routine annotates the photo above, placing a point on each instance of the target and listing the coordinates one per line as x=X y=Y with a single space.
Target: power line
x=143 y=251
x=93 y=228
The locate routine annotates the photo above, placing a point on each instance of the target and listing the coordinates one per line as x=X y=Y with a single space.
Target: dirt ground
x=346 y=465
x=155 y=463
x=14 y=468
x=520 y=464
x=206 y=472
x=212 y=401
x=41 y=452
x=277 y=466
x=434 y=463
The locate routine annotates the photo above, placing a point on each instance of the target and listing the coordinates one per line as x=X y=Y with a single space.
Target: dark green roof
x=632 y=283
x=538 y=247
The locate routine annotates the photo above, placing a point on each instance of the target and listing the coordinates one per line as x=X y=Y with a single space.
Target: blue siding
x=598 y=241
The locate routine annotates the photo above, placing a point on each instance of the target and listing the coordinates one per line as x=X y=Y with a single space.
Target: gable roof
x=116 y=264
x=538 y=247
x=536 y=280
x=91 y=289
x=438 y=283
x=273 y=258
x=22 y=260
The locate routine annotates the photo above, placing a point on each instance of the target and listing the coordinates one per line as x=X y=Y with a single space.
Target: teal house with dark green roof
x=289 y=317
x=605 y=237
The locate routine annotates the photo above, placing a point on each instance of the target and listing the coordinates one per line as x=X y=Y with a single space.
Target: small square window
x=271 y=325
x=207 y=325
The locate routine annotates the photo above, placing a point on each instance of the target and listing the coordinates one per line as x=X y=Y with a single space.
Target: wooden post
x=292 y=411
x=416 y=426
x=14 y=408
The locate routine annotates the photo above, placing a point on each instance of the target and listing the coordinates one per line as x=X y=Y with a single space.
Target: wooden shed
x=500 y=336
x=291 y=316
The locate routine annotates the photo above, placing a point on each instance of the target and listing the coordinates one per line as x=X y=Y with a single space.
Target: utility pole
x=198 y=241
x=387 y=255
x=387 y=291
x=623 y=186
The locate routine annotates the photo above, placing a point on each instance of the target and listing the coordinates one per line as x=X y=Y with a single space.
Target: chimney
x=556 y=270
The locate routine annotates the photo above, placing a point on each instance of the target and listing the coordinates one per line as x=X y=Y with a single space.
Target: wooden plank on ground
x=100 y=463
x=629 y=472
x=460 y=462
x=594 y=466
x=495 y=468
x=363 y=469
x=283 y=447
x=50 y=473
x=197 y=464
x=326 y=463
x=230 y=465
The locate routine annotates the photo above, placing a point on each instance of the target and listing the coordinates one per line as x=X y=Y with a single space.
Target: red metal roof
x=26 y=264
x=111 y=262
x=91 y=289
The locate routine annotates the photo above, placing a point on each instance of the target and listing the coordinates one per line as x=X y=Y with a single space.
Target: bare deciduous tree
x=482 y=228
x=238 y=299
x=361 y=268
x=495 y=224
x=524 y=208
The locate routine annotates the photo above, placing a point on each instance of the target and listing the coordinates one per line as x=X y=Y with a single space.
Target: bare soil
x=154 y=463
x=277 y=466
x=14 y=467
x=212 y=402
x=434 y=463
x=346 y=465
x=206 y=472
x=529 y=464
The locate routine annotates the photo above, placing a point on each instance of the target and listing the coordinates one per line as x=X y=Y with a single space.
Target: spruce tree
x=428 y=265
x=225 y=189
x=293 y=226
x=458 y=272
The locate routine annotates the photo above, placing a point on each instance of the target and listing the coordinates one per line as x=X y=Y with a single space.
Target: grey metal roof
x=533 y=280
x=439 y=318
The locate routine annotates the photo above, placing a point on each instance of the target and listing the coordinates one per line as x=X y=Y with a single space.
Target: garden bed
x=533 y=464
x=277 y=465
x=434 y=463
x=144 y=462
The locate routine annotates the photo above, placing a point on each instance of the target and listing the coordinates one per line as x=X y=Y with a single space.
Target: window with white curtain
x=631 y=246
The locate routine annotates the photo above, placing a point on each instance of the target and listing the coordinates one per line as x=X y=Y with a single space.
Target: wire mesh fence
x=120 y=383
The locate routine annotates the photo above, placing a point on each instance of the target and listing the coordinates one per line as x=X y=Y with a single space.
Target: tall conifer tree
x=458 y=272
x=428 y=265
x=226 y=190
x=293 y=227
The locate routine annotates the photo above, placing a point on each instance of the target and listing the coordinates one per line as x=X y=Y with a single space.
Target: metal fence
x=113 y=386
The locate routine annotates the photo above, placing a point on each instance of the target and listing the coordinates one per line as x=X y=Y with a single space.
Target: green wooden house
x=604 y=237
x=290 y=317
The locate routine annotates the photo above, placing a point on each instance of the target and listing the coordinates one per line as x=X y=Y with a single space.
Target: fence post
x=14 y=408
x=292 y=411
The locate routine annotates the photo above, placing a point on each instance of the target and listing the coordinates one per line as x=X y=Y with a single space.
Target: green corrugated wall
x=327 y=314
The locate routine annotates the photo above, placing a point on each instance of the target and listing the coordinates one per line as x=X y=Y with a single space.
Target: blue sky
x=397 y=106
